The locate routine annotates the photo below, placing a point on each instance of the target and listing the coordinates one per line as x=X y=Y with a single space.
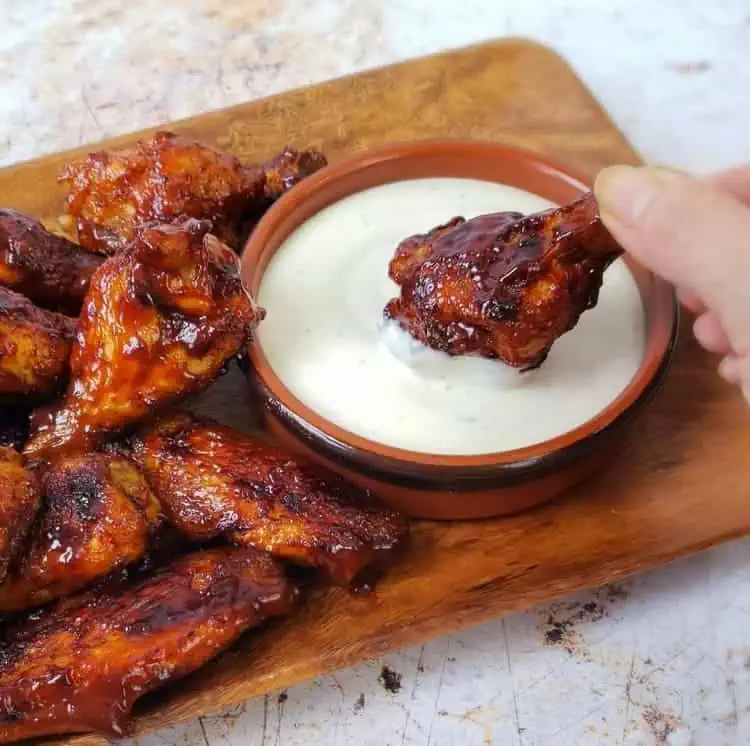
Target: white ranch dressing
x=324 y=336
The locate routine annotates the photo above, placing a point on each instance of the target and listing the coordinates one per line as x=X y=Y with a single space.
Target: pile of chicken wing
x=136 y=540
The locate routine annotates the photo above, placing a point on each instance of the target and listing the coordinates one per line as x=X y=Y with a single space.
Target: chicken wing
x=81 y=665
x=49 y=270
x=212 y=480
x=97 y=516
x=19 y=501
x=35 y=347
x=502 y=286
x=279 y=175
x=287 y=169
x=160 y=322
x=167 y=177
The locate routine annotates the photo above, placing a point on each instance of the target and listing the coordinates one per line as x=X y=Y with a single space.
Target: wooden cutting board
x=680 y=486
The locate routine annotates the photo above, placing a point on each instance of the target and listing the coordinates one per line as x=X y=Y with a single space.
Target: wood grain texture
x=679 y=487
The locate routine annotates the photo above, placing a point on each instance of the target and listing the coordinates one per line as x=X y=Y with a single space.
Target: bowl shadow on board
x=452 y=487
x=692 y=403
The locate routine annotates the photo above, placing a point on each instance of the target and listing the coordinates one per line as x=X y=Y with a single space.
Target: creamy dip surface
x=324 y=335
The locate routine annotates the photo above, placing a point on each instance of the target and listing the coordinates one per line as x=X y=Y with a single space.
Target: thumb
x=734 y=180
x=689 y=231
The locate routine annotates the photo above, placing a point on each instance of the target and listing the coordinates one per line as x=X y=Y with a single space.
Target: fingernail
x=625 y=192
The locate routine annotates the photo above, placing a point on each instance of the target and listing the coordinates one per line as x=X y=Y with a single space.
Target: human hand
x=695 y=233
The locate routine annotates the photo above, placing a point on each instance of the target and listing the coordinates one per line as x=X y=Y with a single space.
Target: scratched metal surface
x=661 y=660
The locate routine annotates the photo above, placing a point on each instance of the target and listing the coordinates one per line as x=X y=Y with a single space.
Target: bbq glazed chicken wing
x=167 y=177
x=97 y=516
x=160 y=322
x=287 y=169
x=502 y=286
x=212 y=480
x=51 y=271
x=19 y=501
x=81 y=665
x=35 y=348
x=279 y=175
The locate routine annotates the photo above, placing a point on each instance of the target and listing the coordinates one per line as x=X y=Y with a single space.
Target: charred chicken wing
x=81 y=665
x=161 y=320
x=35 y=347
x=167 y=177
x=212 y=480
x=502 y=286
x=19 y=501
x=97 y=516
x=49 y=270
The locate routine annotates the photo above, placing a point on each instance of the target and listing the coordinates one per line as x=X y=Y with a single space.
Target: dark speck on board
x=391 y=680
x=283 y=697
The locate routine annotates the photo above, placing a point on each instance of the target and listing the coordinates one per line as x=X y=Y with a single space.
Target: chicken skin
x=97 y=516
x=51 y=271
x=160 y=322
x=167 y=177
x=502 y=286
x=19 y=501
x=215 y=481
x=81 y=665
x=35 y=348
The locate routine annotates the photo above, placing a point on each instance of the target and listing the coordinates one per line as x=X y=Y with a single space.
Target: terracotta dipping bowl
x=438 y=486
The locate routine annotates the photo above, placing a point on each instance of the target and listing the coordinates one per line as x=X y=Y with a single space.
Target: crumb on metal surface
x=390 y=679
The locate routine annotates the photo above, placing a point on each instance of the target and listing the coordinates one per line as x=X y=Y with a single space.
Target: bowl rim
x=543 y=455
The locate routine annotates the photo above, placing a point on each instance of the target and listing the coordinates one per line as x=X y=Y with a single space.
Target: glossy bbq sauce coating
x=160 y=322
x=51 y=271
x=19 y=502
x=97 y=516
x=166 y=177
x=35 y=345
x=81 y=666
x=215 y=481
x=502 y=285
